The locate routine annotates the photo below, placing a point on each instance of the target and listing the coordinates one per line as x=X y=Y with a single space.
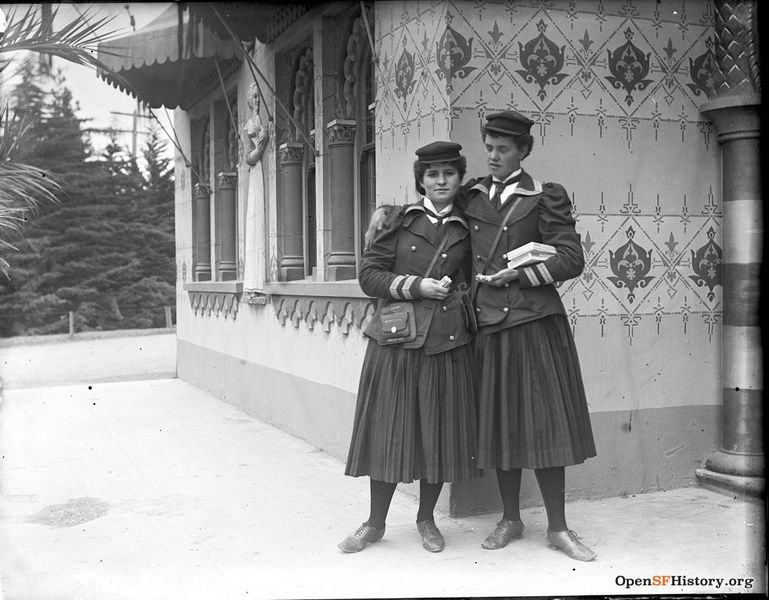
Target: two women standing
x=530 y=397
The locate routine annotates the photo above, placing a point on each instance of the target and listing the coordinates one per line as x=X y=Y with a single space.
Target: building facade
x=339 y=95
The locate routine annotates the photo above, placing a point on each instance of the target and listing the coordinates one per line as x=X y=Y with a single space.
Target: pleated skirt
x=532 y=409
x=415 y=416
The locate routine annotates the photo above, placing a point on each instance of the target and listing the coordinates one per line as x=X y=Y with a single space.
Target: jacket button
x=478 y=309
x=444 y=308
x=476 y=227
x=443 y=256
x=507 y=285
x=451 y=338
x=504 y=228
x=503 y=256
x=413 y=248
x=505 y=309
x=478 y=256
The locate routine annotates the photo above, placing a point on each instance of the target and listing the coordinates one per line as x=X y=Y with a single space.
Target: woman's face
x=441 y=182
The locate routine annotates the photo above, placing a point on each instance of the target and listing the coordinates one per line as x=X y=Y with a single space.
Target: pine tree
x=107 y=251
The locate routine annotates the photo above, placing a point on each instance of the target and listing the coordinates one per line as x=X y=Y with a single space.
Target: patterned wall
x=614 y=88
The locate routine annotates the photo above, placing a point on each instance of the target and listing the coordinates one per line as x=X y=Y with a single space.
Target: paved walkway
x=154 y=490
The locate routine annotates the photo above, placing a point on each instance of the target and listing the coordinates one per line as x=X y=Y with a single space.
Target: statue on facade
x=258 y=138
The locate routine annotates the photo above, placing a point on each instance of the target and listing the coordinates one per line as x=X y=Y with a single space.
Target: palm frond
x=75 y=42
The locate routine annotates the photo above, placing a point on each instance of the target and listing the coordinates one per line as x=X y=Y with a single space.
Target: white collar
x=513 y=174
x=430 y=206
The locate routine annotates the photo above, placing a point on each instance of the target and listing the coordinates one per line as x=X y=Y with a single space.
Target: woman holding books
x=532 y=406
x=415 y=416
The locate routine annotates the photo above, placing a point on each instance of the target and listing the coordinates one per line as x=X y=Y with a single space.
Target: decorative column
x=341 y=147
x=290 y=237
x=226 y=266
x=202 y=230
x=738 y=464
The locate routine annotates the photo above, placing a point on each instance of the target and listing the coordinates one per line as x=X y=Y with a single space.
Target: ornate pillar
x=738 y=464
x=290 y=237
x=341 y=150
x=202 y=231
x=227 y=183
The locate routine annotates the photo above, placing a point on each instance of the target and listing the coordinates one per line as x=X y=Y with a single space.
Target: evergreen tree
x=107 y=251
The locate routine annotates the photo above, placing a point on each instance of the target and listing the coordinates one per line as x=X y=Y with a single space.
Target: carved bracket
x=216 y=303
x=327 y=312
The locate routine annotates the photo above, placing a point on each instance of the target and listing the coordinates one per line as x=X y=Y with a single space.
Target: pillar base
x=341 y=272
x=752 y=487
x=291 y=273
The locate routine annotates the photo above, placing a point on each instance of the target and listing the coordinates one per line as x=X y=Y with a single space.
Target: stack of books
x=528 y=254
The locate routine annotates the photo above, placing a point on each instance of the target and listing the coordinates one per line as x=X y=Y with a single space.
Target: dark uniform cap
x=438 y=152
x=508 y=122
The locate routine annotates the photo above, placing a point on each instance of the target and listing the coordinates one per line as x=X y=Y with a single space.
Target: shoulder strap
x=495 y=243
x=441 y=246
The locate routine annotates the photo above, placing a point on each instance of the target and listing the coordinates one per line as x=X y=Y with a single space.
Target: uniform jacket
x=542 y=214
x=393 y=267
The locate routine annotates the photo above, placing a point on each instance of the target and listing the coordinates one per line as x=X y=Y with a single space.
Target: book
x=528 y=254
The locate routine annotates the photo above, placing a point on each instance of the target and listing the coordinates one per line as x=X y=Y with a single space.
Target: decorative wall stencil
x=629 y=67
x=404 y=76
x=701 y=70
x=588 y=57
x=630 y=265
x=706 y=264
x=453 y=52
x=542 y=61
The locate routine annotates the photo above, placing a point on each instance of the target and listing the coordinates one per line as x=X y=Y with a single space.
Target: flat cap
x=508 y=122
x=438 y=152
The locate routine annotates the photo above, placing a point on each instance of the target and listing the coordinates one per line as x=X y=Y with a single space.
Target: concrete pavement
x=87 y=358
x=154 y=490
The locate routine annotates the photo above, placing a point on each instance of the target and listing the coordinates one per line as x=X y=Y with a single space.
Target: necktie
x=499 y=186
x=439 y=218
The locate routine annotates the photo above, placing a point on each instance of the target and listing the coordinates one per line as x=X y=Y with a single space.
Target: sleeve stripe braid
x=531 y=276
x=544 y=273
x=407 y=287
x=395 y=286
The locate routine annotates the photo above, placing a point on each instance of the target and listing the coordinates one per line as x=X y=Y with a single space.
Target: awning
x=264 y=21
x=164 y=64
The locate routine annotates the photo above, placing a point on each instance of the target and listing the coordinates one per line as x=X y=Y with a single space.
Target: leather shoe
x=568 y=542
x=505 y=531
x=432 y=539
x=361 y=537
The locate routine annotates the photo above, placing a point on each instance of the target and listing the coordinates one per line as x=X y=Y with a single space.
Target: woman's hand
x=500 y=278
x=432 y=288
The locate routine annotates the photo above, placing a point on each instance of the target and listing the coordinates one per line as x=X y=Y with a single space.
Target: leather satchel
x=464 y=293
x=397 y=320
x=397 y=323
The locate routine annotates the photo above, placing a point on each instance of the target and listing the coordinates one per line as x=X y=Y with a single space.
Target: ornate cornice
x=327 y=312
x=737 y=52
x=207 y=303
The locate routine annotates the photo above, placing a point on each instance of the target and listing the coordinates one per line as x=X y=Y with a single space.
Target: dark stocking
x=428 y=498
x=381 y=495
x=510 y=490
x=552 y=482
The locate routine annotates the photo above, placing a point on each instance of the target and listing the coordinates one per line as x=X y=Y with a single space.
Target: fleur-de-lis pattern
x=542 y=61
x=453 y=52
x=706 y=264
x=629 y=67
x=630 y=264
x=615 y=95
x=404 y=76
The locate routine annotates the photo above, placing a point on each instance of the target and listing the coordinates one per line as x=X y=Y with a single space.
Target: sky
x=97 y=99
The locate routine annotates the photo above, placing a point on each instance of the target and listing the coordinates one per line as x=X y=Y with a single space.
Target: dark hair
x=525 y=139
x=420 y=168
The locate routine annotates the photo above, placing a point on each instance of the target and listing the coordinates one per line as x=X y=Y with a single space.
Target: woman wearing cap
x=532 y=409
x=415 y=414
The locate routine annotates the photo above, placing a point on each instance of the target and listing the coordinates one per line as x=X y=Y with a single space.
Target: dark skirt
x=532 y=409
x=415 y=417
